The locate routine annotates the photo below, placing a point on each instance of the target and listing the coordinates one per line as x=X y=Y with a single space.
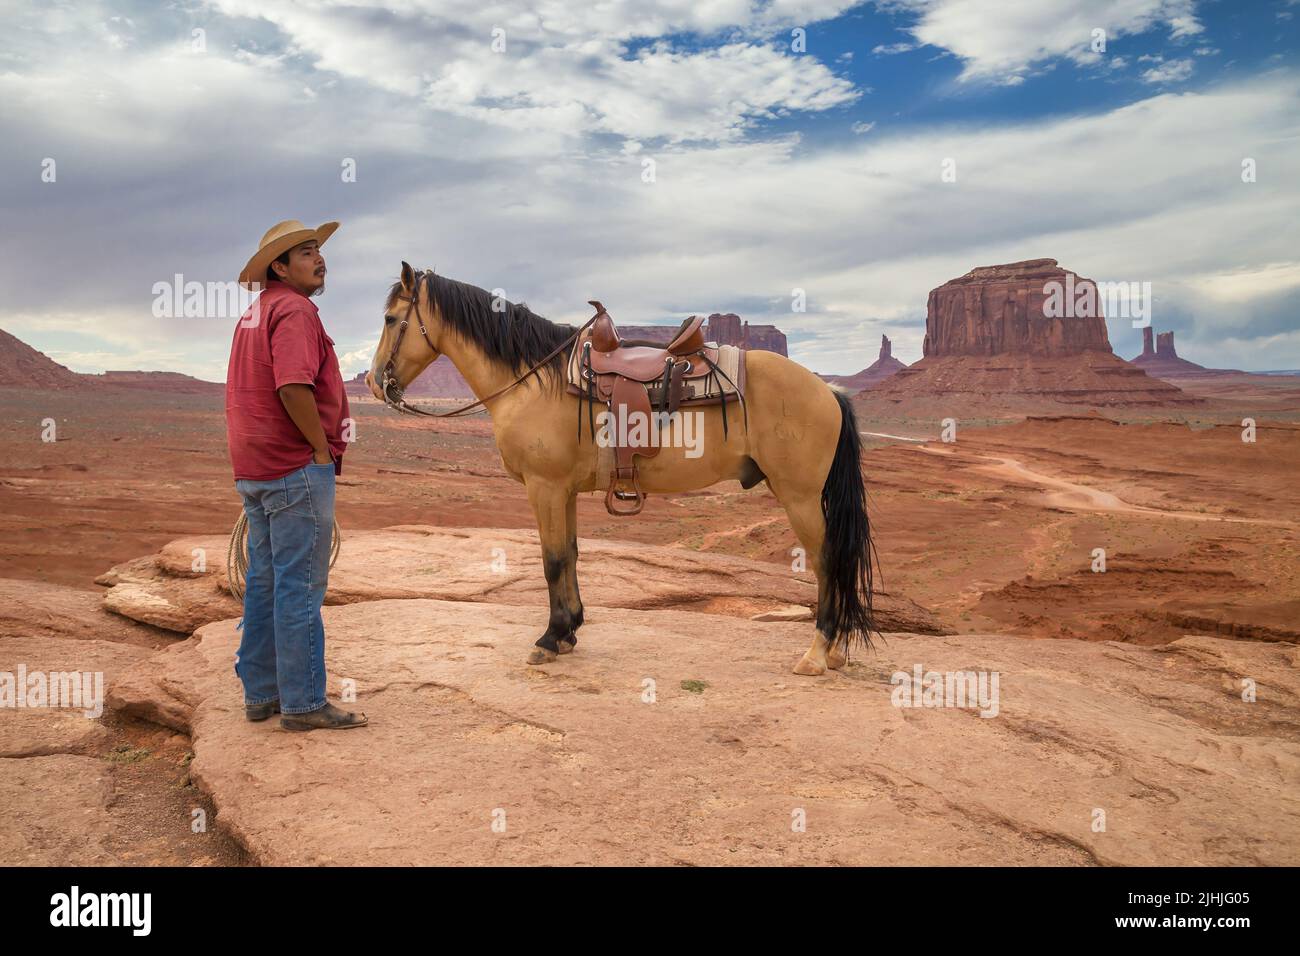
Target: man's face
x=306 y=269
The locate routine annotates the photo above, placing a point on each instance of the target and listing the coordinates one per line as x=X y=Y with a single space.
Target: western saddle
x=634 y=380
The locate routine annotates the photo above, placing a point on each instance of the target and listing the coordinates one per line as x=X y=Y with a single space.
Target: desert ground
x=1122 y=689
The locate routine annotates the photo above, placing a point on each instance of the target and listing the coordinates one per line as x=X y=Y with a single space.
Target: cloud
x=1004 y=43
x=569 y=67
x=890 y=49
x=358 y=360
x=1242 y=285
x=1168 y=71
x=865 y=229
x=177 y=162
x=1184 y=26
x=712 y=95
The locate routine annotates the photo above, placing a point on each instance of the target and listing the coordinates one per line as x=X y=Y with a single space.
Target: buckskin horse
x=796 y=434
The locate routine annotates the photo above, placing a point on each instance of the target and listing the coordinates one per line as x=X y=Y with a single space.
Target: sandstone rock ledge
x=56 y=790
x=484 y=564
x=583 y=770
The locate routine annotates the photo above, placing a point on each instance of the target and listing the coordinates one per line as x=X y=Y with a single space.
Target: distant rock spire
x=1163 y=361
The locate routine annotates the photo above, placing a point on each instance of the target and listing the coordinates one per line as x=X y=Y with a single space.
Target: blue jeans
x=290 y=527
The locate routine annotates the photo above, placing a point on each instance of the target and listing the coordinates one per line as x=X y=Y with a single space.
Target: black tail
x=845 y=615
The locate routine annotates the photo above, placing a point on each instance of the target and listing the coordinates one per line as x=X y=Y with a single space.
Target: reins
x=402 y=405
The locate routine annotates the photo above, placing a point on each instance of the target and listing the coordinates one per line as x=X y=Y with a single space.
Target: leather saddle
x=636 y=380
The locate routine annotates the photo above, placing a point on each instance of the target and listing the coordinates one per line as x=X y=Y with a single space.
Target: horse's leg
x=572 y=595
x=804 y=438
x=550 y=506
x=836 y=657
x=805 y=512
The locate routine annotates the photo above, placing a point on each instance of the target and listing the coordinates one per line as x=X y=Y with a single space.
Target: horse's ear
x=408 y=276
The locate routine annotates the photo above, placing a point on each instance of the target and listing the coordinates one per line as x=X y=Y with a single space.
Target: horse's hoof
x=836 y=659
x=566 y=647
x=809 y=668
x=541 y=655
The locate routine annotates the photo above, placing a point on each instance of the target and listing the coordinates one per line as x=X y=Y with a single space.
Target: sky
x=667 y=157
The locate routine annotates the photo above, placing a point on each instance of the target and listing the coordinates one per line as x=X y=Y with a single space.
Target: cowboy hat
x=279 y=239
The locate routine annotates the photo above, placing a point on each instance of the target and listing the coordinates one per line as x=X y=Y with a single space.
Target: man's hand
x=300 y=402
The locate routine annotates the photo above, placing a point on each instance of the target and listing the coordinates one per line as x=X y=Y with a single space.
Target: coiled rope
x=237 y=554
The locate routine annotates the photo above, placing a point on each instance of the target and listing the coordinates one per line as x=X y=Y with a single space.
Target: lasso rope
x=237 y=554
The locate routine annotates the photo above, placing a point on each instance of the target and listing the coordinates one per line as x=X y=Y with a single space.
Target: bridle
x=389 y=372
x=389 y=377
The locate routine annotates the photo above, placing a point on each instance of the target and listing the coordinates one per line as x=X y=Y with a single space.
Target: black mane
x=516 y=337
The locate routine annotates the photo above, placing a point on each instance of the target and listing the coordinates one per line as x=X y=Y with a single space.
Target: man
x=285 y=414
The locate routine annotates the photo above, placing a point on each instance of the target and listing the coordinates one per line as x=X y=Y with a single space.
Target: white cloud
x=1184 y=26
x=178 y=163
x=125 y=340
x=1243 y=285
x=866 y=228
x=659 y=94
x=1168 y=71
x=566 y=66
x=1002 y=43
x=358 y=360
x=889 y=49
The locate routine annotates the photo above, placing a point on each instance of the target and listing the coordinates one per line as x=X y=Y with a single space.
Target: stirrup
x=636 y=496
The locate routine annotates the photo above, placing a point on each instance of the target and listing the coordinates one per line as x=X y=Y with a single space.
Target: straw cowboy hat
x=280 y=238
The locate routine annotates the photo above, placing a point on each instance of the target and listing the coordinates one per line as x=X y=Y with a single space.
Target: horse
x=799 y=437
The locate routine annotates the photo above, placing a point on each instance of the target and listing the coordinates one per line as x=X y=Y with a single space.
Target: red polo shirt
x=280 y=341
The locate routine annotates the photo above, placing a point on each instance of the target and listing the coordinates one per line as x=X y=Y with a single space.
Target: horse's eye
x=389 y=319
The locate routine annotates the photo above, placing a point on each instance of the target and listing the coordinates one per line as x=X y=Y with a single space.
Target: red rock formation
x=1163 y=362
x=658 y=334
x=767 y=338
x=174 y=382
x=724 y=328
x=1000 y=310
x=23 y=367
x=990 y=345
x=879 y=370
